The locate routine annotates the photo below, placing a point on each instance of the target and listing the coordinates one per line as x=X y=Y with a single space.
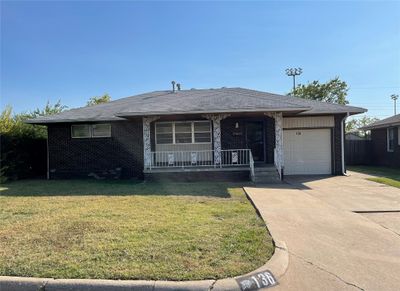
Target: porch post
x=147 y=140
x=216 y=120
x=278 y=154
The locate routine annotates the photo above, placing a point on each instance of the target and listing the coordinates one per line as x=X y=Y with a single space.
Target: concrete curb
x=277 y=264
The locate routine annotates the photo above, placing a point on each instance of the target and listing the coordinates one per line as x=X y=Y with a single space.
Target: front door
x=255 y=139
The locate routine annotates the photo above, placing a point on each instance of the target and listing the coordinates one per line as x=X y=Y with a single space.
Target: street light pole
x=294 y=72
x=394 y=98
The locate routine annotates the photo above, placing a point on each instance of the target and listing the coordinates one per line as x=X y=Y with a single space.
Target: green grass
x=388 y=176
x=128 y=230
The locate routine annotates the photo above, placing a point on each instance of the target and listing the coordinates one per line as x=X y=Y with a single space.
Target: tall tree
x=98 y=100
x=333 y=91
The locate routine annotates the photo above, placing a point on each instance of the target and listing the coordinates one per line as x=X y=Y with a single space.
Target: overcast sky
x=74 y=50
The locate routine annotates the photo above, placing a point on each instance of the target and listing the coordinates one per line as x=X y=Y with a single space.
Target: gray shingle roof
x=387 y=122
x=196 y=101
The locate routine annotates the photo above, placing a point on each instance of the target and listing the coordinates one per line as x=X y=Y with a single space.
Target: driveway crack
x=324 y=270
x=212 y=285
x=391 y=230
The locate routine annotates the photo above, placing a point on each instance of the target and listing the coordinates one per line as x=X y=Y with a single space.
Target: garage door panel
x=307 y=151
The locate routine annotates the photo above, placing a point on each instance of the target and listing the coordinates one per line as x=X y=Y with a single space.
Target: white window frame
x=388 y=139
x=173 y=132
x=90 y=130
x=97 y=136
x=72 y=131
x=398 y=135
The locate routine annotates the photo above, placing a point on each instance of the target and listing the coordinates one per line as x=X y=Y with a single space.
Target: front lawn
x=388 y=176
x=129 y=230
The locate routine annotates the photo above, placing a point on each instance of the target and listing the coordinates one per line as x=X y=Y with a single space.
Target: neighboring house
x=385 y=138
x=211 y=134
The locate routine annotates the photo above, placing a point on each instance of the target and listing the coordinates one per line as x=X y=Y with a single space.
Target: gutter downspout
x=342 y=141
x=48 y=162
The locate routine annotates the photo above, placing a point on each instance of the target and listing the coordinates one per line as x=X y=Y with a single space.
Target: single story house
x=385 y=140
x=199 y=133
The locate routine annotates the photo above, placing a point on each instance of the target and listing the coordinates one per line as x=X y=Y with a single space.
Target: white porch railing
x=194 y=159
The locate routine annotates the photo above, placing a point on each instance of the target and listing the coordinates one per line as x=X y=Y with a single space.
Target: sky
x=74 y=50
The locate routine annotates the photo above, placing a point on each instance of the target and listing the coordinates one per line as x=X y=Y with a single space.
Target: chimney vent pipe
x=173 y=86
x=178 y=86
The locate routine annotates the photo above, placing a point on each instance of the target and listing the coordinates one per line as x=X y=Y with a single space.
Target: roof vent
x=173 y=86
x=178 y=86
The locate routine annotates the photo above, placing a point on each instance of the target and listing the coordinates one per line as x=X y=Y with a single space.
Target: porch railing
x=193 y=159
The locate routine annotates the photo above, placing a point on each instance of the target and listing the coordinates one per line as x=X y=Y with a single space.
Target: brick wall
x=72 y=158
x=380 y=155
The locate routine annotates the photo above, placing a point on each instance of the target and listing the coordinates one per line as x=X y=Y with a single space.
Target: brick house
x=385 y=142
x=221 y=133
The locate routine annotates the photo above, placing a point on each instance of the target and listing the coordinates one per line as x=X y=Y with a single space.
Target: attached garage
x=307 y=150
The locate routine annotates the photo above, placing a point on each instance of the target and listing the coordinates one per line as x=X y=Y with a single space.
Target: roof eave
x=370 y=127
x=69 y=120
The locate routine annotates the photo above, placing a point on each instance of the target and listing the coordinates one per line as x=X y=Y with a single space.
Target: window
x=398 y=135
x=164 y=133
x=202 y=131
x=390 y=139
x=101 y=130
x=80 y=131
x=90 y=130
x=185 y=132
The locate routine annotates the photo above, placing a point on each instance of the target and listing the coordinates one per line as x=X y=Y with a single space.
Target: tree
x=23 y=146
x=354 y=124
x=14 y=124
x=98 y=100
x=333 y=91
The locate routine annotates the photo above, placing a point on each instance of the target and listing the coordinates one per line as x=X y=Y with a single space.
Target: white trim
x=174 y=132
x=342 y=127
x=398 y=135
x=387 y=139
x=90 y=130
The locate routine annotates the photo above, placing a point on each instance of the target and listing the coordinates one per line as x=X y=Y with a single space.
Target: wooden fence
x=358 y=152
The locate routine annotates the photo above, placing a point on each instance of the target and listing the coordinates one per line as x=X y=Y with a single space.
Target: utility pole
x=394 y=98
x=294 y=72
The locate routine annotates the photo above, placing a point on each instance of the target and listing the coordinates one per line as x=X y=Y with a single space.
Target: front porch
x=219 y=144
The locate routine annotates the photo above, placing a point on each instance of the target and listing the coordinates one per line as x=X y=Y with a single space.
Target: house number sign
x=257 y=281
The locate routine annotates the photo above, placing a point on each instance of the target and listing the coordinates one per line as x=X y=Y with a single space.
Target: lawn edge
x=277 y=265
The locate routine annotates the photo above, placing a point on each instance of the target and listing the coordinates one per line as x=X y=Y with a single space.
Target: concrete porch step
x=266 y=175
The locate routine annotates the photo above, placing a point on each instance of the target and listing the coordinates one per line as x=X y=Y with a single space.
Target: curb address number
x=257 y=281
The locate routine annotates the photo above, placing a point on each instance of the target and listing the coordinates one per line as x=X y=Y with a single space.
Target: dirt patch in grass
x=146 y=232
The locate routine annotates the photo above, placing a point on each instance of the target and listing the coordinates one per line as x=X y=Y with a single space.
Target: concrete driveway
x=330 y=246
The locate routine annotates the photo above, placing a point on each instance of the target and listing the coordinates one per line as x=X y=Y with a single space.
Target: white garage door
x=307 y=151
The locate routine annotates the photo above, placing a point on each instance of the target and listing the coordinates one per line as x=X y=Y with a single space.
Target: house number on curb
x=257 y=281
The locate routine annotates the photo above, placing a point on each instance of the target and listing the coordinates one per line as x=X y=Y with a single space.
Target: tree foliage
x=23 y=146
x=99 y=100
x=355 y=124
x=14 y=124
x=333 y=91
